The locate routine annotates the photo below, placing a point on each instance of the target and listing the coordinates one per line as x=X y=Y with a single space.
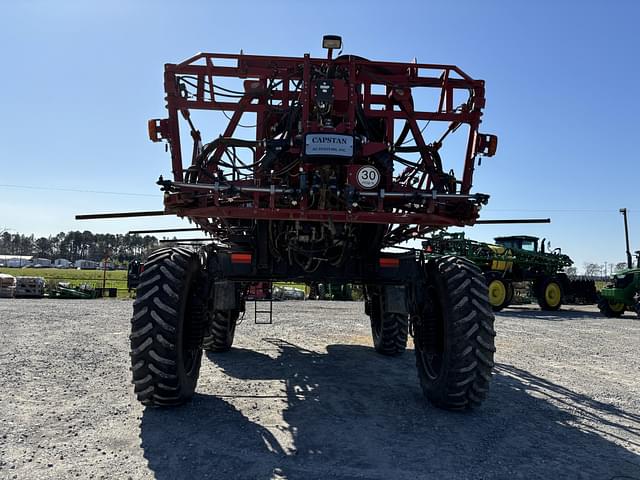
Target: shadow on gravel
x=534 y=313
x=350 y=413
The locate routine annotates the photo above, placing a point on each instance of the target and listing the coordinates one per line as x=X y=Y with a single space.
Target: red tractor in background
x=340 y=163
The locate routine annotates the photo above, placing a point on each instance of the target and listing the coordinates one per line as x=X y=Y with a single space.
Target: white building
x=62 y=263
x=16 y=261
x=41 y=262
x=86 y=264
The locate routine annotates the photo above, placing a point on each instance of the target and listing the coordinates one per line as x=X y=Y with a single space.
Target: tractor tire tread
x=540 y=289
x=390 y=337
x=607 y=311
x=154 y=325
x=220 y=334
x=465 y=383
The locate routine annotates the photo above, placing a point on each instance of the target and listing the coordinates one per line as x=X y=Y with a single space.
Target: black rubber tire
x=508 y=291
x=322 y=292
x=165 y=351
x=607 y=311
x=219 y=334
x=454 y=335
x=388 y=330
x=540 y=290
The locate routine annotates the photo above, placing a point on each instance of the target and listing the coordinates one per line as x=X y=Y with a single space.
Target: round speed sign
x=368 y=177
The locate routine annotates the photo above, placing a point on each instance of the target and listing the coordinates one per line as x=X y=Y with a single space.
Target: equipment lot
x=308 y=397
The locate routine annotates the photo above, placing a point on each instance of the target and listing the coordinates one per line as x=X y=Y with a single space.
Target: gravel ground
x=308 y=398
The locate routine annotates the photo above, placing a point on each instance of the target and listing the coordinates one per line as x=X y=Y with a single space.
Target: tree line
x=592 y=269
x=76 y=245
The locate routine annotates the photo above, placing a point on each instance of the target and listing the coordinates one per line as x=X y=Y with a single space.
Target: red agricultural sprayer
x=344 y=157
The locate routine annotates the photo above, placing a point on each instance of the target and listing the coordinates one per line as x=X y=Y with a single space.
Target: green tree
x=620 y=266
x=43 y=247
x=591 y=269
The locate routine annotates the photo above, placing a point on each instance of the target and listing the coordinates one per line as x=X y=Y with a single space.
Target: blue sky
x=80 y=79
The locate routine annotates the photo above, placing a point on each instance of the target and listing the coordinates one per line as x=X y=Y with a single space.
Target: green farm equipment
x=623 y=293
x=512 y=259
x=65 y=290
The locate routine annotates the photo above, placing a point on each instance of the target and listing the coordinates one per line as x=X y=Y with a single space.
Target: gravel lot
x=308 y=398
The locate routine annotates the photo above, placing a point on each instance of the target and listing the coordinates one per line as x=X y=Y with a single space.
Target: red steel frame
x=208 y=207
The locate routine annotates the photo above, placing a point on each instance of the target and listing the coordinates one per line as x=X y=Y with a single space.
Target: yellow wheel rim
x=497 y=293
x=616 y=307
x=552 y=294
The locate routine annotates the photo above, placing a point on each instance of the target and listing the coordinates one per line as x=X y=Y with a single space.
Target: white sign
x=368 y=177
x=329 y=144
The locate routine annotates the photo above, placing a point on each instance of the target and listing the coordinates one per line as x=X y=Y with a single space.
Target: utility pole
x=107 y=255
x=623 y=211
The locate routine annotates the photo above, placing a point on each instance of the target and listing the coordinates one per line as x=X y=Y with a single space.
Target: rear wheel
x=389 y=330
x=454 y=335
x=550 y=294
x=166 y=328
x=220 y=332
x=611 y=310
x=510 y=293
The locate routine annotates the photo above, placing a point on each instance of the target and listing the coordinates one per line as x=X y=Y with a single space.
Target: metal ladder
x=256 y=312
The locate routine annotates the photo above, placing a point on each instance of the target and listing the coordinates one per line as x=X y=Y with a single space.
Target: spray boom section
x=340 y=140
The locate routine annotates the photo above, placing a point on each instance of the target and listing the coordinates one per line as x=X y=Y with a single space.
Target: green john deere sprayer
x=512 y=259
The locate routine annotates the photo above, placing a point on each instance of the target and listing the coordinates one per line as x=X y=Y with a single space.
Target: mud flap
x=395 y=299
x=225 y=297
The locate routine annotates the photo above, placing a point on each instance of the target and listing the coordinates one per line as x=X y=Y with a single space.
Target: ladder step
x=265 y=312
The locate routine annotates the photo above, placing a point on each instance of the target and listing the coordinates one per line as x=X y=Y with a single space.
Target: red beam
x=323 y=216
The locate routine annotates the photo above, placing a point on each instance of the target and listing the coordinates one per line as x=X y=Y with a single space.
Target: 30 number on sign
x=368 y=177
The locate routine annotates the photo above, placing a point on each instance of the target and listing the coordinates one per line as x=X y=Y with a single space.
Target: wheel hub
x=497 y=293
x=552 y=294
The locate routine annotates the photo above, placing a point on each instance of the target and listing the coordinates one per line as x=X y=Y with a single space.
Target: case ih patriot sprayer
x=342 y=161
